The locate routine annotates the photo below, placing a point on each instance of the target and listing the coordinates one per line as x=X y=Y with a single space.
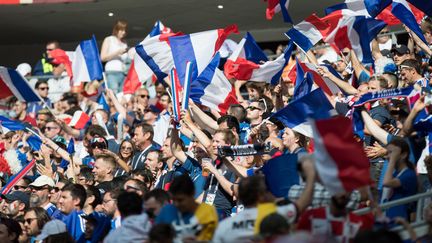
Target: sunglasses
x=132 y=188
x=43 y=88
x=252 y=108
x=345 y=53
x=19 y=187
x=38 y=188
x=384 y=32
x=127 y=148
x=99 y=145
x=29 y=220
x=144 y=96
x=56 y=189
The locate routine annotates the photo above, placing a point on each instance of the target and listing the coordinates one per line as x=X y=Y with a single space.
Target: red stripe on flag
x=223 y=34
x=240 y=69
x=18 y=177
x=131 y=82
x=229 y=100
x=348 y=154
x=5 y=91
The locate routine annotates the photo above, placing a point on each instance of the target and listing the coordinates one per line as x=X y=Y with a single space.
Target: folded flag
x=303 y=86
x=387 y=16
x=308 y=32
x=61 y=57
x=141 y=72
x=276 y=173
x=198 y=48
x=212 y=89
x=410 y=93
x=87 y=65
x=425 y=6
x=295 y=115
x=79 y=120
x=368 y=8
x=340 y=160
x=13 y=84
x=154 y=57
x=102 y=103
x=244 y=59
x=7 y=125
x=276 y=6
x=353 y=32
x=402 y=10
x=271 y=71
x=328 y=86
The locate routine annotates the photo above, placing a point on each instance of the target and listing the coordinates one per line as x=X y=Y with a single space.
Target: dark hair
x=119 y=25
x=266 y=104
x=129 y=203
x=141 y=185
x=403 y=145
x=146 y=128
x=87 y=173
x=118 y=182
x=162 y=233
x=77 y=192
x=159 y=195
x=182 y=185
x=257 y=86
x=231 y=121
x=54 y=42
x=273 y=224
x=70 y=98
x=382 y=81
x=302 y=139
x=238 y=111
x=94 y=130
x=64 y=237
x=393 y=78
x=12 y=227
x=71 y=111
x=250 y=188
x=42 y=216
x=26 y=180
x=412 y=63
x=133 y=149
x=39 y=82
x=93 y=191
x=146 y=173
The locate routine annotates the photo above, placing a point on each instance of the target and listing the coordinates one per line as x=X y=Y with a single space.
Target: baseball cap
x=401 y=49
x=53 y=227
x=154 y=109
x=24 y=69
x=43 y=180
x=17 y=195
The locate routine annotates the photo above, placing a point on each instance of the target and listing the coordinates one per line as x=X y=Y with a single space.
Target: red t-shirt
x=320 y=221
x=30 y=120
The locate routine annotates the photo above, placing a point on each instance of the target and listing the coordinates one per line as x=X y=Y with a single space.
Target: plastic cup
x=205 y=172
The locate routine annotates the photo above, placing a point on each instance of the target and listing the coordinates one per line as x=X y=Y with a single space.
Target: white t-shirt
x=330 y=56
x=58 y=86
x=116 y=64
x=240 y=228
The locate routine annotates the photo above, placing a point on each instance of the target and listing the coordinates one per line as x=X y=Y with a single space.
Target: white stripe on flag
x=79 y=68
x=8 y=81
x=202 y=42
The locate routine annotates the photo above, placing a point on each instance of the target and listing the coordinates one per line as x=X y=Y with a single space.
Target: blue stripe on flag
x=11 y=125
x=150 y=62
x=252 y=51
x=408 y=19
x=204 y=79
x=367 y=29
x=423 y=5
x=375 y=7
x=301 y=40
x=182 y=51
x=92 y=58
x=284 y=10
x=23 y=86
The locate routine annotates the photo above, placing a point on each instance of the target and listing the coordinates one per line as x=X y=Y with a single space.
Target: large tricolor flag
x=87 y=65
x=295 y=115
x=198 y=48
x=276 y=6
x=353 y=32
x=244 y=59
x=154 y=57
x=271 y=71
x=212 y=89
x=139 y=72
x=79 y=120
x=13 y=84
x=387 y=16
x=340 y=160
x=308 y=32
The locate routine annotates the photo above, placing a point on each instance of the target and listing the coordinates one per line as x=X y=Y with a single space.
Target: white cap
x=24 y=69
x=43 y=180
x=53 y=227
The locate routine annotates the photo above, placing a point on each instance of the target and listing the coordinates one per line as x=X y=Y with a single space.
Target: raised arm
x=373 y=128
x=176 y=148
x=356 y=64
x=345 y=86
x=202 y=118
x=408 y=124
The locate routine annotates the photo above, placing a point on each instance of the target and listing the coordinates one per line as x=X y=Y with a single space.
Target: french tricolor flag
x=79 y=120
x=212 y=89
x=13 y=84
x=139 y=72
x=368 y=8
x=387 y=16
x=340 y=160
x=425 y=6
x=276 y=6
x=246 y=57
x=308 y=32
x=296 y=114
x=198 y=48
x=154 y=57
x=353 y=32
x=87 y=65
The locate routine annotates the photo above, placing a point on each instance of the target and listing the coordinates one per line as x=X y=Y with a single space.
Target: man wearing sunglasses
x=40 y=196
x=42 y=88
x=15 y=203
x=410 y=73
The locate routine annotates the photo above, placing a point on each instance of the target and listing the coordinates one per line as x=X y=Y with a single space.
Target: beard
x=36 y=201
